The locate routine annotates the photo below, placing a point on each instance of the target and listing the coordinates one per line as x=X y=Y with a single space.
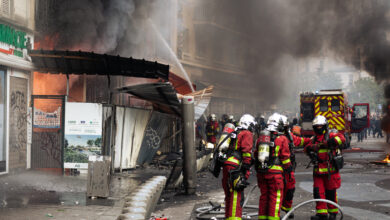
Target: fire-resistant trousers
x=325 y=188
x=288 y=191
x=233 y=198
x=271 y=189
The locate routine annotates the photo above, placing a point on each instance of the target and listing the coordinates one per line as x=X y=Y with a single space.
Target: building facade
x=16 y=36
x=212 y=48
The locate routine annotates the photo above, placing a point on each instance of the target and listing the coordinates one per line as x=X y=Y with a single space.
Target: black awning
x=161 y=93
x=78 y=62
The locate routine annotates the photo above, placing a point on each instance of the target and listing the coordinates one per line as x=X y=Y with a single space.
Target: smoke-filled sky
x=273 y=29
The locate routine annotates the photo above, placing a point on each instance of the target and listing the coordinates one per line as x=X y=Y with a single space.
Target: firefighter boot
x=319 y=217
x=332 y=216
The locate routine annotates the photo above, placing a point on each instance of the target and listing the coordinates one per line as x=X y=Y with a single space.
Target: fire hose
x=220 y=213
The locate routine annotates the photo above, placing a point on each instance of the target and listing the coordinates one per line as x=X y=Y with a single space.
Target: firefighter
x=212 y=129
x=325 y=152
x=272 y=160
x=236 y=167
x=289 y=178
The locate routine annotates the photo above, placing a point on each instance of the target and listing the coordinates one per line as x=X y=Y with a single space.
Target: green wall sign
x=12 y=37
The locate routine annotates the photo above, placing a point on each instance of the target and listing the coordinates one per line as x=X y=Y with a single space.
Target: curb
x=140 y=204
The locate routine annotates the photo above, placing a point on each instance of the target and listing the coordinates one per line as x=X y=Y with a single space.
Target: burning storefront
x=130 y=123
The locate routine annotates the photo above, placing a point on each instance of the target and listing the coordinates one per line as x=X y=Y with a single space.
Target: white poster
x=83 y=133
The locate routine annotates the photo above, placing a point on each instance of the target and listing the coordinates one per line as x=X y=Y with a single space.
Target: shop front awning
x=79 y=62
x=161 y=94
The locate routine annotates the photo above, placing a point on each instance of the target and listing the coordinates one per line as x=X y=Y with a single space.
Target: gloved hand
x=246 y=170
x=332 y=143
x=314 y=147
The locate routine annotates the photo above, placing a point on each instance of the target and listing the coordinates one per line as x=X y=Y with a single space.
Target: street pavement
x=364 y=194
x=365 y=191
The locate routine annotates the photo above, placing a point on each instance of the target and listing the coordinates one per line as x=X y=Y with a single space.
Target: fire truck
x=333 y=104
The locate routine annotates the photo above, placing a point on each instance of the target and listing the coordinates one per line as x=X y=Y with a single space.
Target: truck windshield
x=307 y=110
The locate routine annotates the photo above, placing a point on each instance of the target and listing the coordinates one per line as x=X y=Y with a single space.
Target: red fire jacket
x=243 y=145
x=300 y=141
x=322 y=149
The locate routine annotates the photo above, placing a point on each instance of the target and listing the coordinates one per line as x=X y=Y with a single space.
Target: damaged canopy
x=78 y=62
x=161 y=94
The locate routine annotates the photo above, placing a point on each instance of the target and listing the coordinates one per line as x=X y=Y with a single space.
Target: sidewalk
x=38 y=195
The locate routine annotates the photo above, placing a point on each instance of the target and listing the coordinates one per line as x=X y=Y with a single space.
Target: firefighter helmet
x=277 y=122
x=247 y=121
x=320 y=124
x=320 y=120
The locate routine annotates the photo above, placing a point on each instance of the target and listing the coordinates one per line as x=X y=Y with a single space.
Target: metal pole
x=189 y=153
x=64 y=101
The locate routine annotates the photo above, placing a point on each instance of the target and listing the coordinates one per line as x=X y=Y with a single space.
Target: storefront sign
x=13 y=41
x=47 y=119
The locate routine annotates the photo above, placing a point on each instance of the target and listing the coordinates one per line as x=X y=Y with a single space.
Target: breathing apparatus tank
x=220 y=153
x=224 y=140
x=264 y=148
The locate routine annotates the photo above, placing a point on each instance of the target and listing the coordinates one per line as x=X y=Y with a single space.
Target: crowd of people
x=268 y=146
x=375 y=129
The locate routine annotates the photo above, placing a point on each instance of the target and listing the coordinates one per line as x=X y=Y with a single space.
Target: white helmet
x=213 y=117
x=320 y=120
x=320 y=125
x=276 y=122
x=246 y=122
x=231 y=117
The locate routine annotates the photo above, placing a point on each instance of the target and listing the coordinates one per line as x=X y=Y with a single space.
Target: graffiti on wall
x=152 y=138
x=50 y=144
x=18 y=122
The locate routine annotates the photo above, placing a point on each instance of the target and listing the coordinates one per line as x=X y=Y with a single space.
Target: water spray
x=173 y=55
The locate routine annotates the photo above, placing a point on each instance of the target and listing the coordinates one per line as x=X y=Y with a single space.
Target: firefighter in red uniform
x=272 y=160
x=289 y=177
x=212 y=129
x=236 y=167
x=326 y=156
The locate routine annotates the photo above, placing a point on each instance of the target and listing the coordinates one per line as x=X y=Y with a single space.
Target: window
x=307 y=110
x=324 y=105
x=335 y=105
x=360 y=111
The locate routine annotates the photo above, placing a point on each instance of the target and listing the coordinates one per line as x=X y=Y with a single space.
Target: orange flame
x=387 y=159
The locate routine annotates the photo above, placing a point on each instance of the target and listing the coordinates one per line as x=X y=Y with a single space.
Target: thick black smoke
x=352 y=31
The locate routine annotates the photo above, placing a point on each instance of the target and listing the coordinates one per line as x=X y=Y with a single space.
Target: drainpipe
x=189 y=153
